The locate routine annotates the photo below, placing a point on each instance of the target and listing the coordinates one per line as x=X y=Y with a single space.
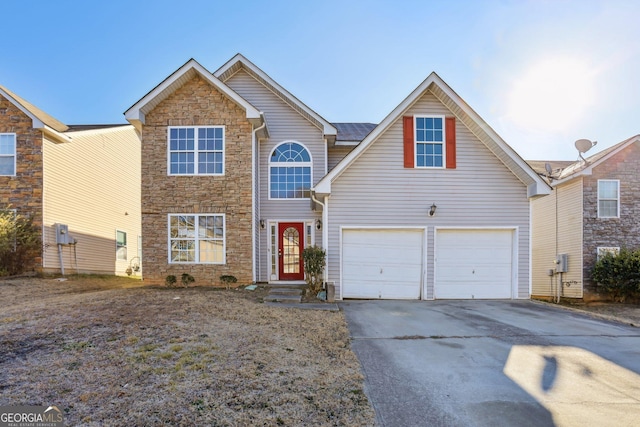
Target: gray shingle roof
x=353 y=131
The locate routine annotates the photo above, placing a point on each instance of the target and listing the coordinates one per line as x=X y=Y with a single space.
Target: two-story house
x=238 y=176
x=594 y=208
x=80 y=184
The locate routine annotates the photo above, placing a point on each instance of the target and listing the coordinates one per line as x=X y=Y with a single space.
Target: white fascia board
x=324 y=185
x=36 y=123
x=136 y=112
x=539 y=187
x=55 y=135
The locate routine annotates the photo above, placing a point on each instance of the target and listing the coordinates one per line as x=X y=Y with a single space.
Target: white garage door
x=473 y=264
x=383 y=264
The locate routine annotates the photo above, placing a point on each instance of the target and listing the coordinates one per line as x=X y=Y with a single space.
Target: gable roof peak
x=136 y=113
x=240 y=62
x=39 y=117
x=436 y=86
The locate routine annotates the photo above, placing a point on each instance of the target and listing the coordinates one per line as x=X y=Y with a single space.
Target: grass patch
x=208 y=358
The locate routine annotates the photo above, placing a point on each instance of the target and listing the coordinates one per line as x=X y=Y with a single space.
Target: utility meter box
x=62 y=234
x=562 y=263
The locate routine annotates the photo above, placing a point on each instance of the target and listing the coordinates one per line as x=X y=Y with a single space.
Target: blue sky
x=541 y=73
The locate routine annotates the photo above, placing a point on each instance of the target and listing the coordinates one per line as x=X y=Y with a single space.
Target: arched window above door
x=290 y=171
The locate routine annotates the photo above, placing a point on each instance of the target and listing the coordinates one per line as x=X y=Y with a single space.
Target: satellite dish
x=547 y=167
x=584 y=145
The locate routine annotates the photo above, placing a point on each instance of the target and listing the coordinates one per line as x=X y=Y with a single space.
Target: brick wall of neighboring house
x=23 y=192
x=196 y=103
x=616 y=232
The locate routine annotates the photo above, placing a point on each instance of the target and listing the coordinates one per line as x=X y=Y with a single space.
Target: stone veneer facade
x=197 y=103
x=23 y=191
x=617 y=232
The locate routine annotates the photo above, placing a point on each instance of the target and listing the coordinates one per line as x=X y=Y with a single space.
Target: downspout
x=255 y=210
x=325 y=233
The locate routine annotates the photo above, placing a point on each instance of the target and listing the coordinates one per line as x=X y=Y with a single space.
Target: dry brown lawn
x=108 y=351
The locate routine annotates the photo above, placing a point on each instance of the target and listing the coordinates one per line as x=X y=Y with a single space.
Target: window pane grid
x=429 y=136
x=196 y=239
x=608 y=196
x=7 y=154
x=206 y=157
x=288 y=181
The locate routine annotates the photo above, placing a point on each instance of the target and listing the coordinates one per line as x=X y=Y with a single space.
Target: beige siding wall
x=543 y=245
x=197 y=103
x=562 y=236
x=92 y=184
x=338 y=153
x=284 y=124
x=378 y=191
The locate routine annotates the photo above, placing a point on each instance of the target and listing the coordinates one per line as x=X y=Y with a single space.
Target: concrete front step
x=285 y=291
x=283 y=298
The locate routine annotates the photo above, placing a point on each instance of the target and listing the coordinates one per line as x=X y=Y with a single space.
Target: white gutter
x=254 y=208
x=325 y=231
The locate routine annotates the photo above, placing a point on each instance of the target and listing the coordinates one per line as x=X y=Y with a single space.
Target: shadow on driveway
x=494 y=363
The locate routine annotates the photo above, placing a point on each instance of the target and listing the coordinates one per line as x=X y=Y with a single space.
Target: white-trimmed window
x=121 y=245
x=430 y=141
x=604 y=250
x=196 y=150
x=8 y=154
x=608 y=198
x=290 y=172
x=197 y=238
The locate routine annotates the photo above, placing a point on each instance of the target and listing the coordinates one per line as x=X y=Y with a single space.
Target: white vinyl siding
x=557 y=229
x=376 y=190
x=284 y=124
x=92 y=185
x=8 y=154
x=337 y=153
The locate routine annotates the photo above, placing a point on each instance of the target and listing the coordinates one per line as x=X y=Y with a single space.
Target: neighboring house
x=594 y=209
x=80 y=184
x=238 y=176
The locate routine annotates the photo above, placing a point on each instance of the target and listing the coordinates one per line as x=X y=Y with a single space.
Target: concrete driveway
x=494 y=363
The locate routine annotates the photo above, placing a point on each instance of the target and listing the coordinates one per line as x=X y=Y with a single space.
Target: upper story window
x=429 y=140
x=197 y=239
x=8 y=154
x=290 y=172
x=608 y=198
x=196 y=150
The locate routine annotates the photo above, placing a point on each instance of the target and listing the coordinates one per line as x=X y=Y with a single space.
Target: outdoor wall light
x=318 y=224
x=262 y=225
x=432 y=210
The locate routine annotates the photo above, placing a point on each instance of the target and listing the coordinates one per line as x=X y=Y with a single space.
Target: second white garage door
x=382 y=263
x=474 y=263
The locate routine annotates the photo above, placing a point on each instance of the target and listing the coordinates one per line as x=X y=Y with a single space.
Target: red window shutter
x=450 y=130
x=408 y=142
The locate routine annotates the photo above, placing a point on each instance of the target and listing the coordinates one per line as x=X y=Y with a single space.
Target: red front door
x=290 y=245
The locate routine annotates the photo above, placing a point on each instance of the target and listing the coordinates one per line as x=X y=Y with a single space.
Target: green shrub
x=170 y=280
x=619 y=275
x=20 y=243
x=187 y=279
x=314 y=258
